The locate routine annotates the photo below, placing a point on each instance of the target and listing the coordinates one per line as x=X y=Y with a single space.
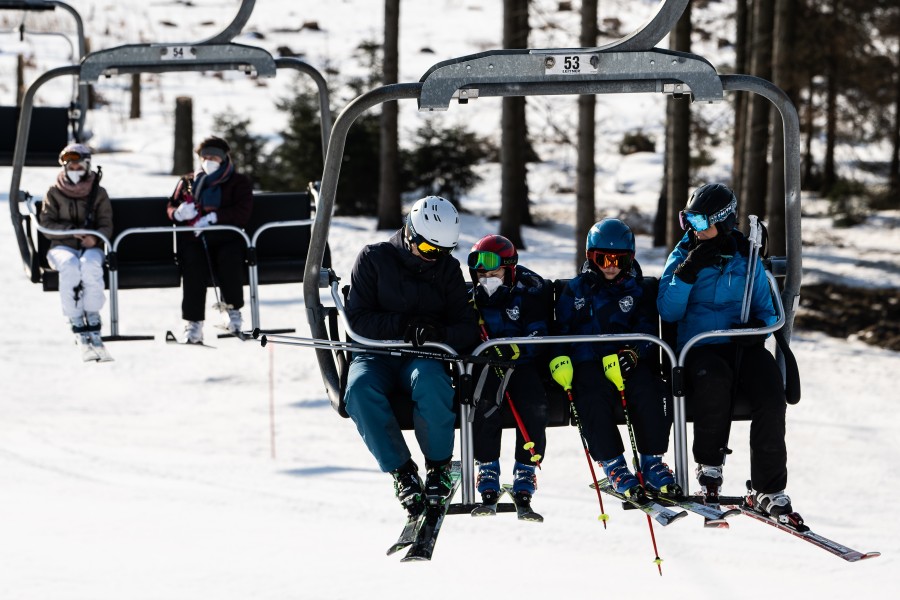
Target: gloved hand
x=508 y=352
x=705 y=254
x=205 y=220
x=421 y=330
x=749 y=340
x=627 y=361
x=185 y=211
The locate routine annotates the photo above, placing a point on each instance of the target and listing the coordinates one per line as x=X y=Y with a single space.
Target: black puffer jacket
x=389 y=286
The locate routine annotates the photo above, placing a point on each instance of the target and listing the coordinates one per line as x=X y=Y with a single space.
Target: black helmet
x=710 y=204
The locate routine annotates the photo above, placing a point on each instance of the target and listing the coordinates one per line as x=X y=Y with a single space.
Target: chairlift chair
x=629 y=65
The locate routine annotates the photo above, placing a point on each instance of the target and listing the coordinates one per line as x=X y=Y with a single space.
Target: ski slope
x=185 y=473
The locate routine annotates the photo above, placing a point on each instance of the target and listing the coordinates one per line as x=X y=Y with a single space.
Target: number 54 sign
x=571 y=64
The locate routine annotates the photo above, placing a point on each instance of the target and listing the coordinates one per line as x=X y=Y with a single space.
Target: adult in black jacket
x=215 y=194
x=410 y=288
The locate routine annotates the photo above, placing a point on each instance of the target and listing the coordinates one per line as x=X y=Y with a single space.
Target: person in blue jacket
x=607 y=298
x=512 y=301
x=410 y=288
x=702 y=289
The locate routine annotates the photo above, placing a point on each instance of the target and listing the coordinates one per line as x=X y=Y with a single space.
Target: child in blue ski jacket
x=607 y=298
x=702 y=289
x=511 y=301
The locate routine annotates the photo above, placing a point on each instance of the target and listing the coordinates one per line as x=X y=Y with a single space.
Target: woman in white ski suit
x=74 y=202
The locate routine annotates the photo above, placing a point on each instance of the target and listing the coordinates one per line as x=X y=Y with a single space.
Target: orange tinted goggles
x=604 y=260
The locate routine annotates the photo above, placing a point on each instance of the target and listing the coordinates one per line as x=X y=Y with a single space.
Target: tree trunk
x=740 y=99
x=678 y=139
x=894 y=176
x=585 y=205
x=183 y=158
x=390 y=212
x=135 y=96
x=513 y=135
x=782 y=53
x=754 y=187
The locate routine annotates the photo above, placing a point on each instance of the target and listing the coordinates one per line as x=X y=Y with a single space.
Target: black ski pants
x=225 y=256
x=528 y=395
x=710 y=384
x=649 y=409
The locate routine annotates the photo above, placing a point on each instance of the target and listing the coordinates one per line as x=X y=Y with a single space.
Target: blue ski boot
x=620 y=477
x=658 y=478
x=488 y=481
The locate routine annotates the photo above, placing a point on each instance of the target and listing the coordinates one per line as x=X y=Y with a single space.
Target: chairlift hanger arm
x=165 y=58
x=569 y=71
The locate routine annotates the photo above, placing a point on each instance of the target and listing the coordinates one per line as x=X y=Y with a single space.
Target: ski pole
x=212 y=275
x=561 y=371
x=529 y=445
x=614 y=373
x=324 y=344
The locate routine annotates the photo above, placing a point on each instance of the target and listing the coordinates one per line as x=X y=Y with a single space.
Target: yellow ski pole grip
x=612 y=371
x=561 y=371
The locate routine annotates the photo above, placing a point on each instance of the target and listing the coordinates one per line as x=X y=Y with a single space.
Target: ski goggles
x=604 y=260
x=70 y=157
x=483 y=260
x=700 y=222
x=426 y=248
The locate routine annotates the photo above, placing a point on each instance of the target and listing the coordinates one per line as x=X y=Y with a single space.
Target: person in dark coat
x=410 y=288
x=512 y=301
x=607 y=298
x=215 y=195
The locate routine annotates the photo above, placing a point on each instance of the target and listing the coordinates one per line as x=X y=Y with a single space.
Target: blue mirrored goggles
x=695 y=221
x=700 y=222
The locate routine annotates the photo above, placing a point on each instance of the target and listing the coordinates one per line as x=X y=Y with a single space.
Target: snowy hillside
x=186 y=473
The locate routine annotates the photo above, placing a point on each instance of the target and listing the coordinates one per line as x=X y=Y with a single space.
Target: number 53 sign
x=571 y=64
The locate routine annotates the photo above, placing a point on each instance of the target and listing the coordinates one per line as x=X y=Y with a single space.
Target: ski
x=487 y=509
x=432 y=519
x=408 y=535
x=171 y=339
x=662 y=515
x=797 y=528
x=88 y=352
x=713 y=515
x=96 y=342
x=241 y=335
x=523 y=509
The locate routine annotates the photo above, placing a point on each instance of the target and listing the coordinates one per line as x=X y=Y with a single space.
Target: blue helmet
x=610 y=234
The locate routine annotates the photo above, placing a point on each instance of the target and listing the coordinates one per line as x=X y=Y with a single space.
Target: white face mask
x=210 y=166
x=490 y=284
x=75 y=176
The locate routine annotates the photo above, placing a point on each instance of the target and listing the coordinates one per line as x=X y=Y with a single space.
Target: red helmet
x=490 y=253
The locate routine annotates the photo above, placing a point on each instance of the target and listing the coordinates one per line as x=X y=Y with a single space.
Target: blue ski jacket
x=591 y=305
x=714 y=300
x=518 y=312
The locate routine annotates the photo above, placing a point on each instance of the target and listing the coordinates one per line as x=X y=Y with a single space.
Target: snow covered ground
x=189 y=473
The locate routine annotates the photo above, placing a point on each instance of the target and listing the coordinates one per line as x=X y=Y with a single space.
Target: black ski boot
x=408 y=487
x=437 y=483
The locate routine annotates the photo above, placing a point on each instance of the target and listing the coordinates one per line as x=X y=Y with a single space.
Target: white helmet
x=433 y=221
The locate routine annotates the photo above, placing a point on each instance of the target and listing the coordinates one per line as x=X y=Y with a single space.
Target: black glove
x=705 y=254
x=421 y=330
x=749 y=340
x=627 y=362
x=509 y=352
